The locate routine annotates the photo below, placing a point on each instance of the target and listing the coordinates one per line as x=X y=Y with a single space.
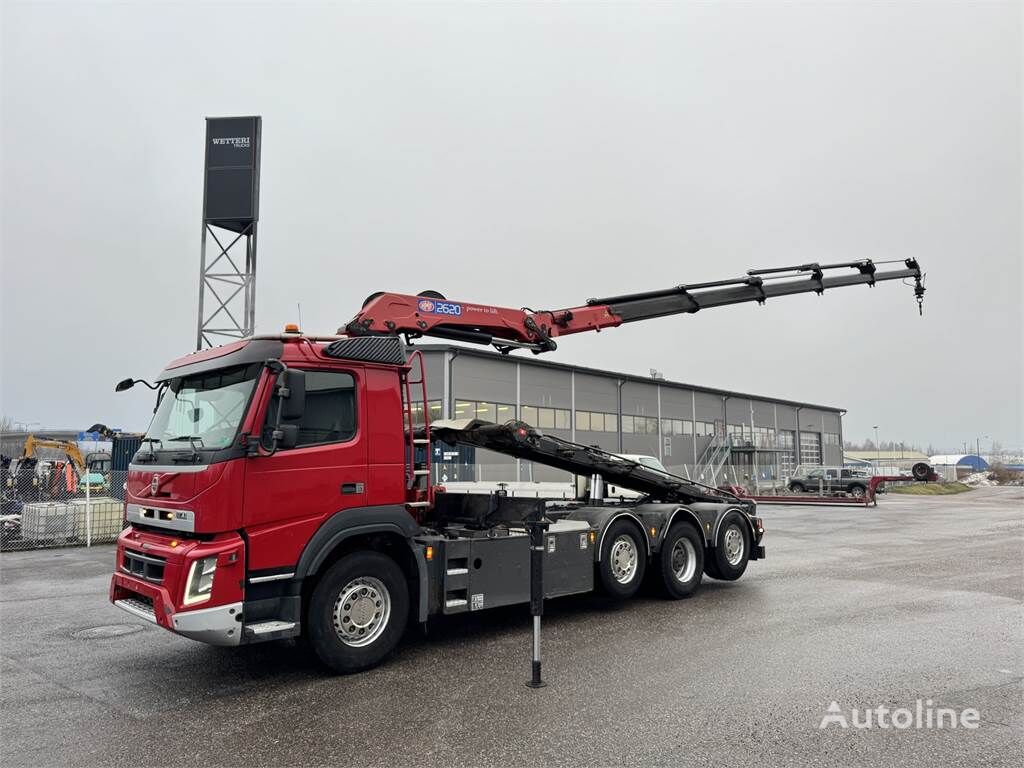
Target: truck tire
x=682 y=561
x=796 y=487
x=623 y=560
x=358 y=612
x=858 y=491
x=732 y=549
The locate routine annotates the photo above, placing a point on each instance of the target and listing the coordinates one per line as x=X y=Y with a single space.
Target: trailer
x=283 y=486
x=920 y=473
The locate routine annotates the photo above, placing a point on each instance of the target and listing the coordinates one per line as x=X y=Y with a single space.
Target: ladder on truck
x=419 y=487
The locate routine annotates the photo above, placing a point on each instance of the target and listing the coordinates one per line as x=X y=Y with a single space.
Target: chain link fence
x=51 y=504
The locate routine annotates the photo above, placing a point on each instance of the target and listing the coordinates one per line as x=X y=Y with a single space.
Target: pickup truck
x=830 y=480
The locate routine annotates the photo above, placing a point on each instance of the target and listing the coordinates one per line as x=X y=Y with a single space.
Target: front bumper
x=152 y=586
x=219 y=625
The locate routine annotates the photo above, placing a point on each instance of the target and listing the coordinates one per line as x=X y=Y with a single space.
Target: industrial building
x=699 y=432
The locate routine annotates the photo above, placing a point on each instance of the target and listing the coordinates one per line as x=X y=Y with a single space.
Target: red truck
x=283 y=486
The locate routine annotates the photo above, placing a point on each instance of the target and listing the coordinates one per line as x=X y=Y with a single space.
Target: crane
x=431 y=314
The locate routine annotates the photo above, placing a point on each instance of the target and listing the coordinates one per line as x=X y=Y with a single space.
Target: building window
x=703 y=428
x=544 y=418
x=676 y=427
x=640 y=425
x=495 y=413
x=831 y=438
x=594 y=421
x=764 y=437
x=434 y=407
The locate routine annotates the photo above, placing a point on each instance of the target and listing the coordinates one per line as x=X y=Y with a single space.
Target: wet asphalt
x=919 y=598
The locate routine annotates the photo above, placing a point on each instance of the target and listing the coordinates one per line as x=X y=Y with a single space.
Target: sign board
x=231 y=189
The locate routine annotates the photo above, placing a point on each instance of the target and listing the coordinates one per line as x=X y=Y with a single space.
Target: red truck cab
x=217 y=516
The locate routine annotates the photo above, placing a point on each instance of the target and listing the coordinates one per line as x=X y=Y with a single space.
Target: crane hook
x=919 y=295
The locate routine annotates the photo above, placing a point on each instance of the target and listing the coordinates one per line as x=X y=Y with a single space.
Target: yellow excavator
x=95 y=481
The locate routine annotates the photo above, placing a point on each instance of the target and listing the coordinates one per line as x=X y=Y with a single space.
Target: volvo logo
x=154 y=485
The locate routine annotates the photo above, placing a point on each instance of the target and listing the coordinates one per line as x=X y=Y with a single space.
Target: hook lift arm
x=430 y=314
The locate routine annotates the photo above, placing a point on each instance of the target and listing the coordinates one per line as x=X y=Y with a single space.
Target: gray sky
x=530 y=155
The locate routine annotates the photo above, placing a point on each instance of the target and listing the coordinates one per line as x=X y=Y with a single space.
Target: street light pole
x=878 y=449
x=977 y=444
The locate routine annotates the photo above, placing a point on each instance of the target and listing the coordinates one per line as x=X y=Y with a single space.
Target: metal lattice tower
x=227 y=285
x=227 y=282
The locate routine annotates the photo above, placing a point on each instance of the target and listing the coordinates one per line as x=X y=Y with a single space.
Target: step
x=265 y=627
x=271 y=629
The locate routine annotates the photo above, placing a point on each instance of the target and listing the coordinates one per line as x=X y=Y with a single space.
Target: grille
x=148 y=567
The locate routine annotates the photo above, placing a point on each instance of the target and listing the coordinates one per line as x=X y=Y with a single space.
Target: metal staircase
x=714 y=458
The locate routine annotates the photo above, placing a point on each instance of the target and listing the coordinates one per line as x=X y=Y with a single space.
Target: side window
x=846 y=473
x=832 y=474
x=330 y=414
x=815 y=474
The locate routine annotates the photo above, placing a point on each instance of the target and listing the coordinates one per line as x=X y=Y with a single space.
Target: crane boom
x=430 y=314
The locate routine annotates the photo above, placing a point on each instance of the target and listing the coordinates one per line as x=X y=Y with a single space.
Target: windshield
x=203 y=411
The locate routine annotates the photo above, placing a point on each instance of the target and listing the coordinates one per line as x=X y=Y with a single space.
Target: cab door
x=832 y=480
x=289 y=494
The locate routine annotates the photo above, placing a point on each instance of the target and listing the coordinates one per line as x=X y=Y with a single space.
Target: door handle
x=352 y=488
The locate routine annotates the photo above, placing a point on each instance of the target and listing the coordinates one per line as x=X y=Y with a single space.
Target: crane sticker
x=439 y=307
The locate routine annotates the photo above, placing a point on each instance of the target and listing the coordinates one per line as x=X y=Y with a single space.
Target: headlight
x=199 y=587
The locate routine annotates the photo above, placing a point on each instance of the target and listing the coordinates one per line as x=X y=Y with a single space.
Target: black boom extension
x=519 y=439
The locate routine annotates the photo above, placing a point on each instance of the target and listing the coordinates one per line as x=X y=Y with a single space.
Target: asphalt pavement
x=919 y=598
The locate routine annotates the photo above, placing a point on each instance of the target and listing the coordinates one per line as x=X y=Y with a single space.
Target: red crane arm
x=505 y=328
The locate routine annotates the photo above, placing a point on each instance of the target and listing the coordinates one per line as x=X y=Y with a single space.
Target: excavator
x=70 y=477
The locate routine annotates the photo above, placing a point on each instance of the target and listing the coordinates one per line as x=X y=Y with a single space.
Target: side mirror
x=292 y=390
x=124 y=384
x=287 y=435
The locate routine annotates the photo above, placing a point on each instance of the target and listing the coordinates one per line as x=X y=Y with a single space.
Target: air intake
x=371 y=349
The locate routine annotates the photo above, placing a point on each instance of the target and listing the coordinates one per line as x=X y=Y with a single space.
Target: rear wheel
x=623 y=560
x=732 y=549
x=358 y=612
x=682 y=561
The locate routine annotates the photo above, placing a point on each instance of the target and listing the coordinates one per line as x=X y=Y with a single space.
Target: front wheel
x=858 y=491
x=358 y=612
x=796 y=488
x=682 y=561
x=623 y=560
x=732 y=549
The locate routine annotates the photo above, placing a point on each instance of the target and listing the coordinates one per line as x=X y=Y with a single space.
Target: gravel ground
x=919 y=598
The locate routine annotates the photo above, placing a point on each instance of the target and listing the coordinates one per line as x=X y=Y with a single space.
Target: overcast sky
x=530 y=155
